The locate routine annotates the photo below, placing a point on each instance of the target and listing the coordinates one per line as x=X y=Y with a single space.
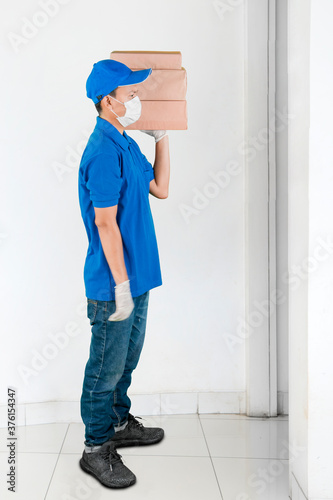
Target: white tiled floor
x=202 y=457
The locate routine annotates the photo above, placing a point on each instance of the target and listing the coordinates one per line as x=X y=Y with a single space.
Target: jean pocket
x=92 y=310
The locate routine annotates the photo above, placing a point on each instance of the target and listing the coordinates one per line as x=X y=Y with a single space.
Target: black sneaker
x=107 y=467
x=135 y=434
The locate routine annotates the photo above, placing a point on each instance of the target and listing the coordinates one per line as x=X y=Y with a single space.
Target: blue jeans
x=115 y=350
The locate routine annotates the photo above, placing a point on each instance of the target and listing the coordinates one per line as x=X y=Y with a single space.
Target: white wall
x=47 y=118
x=321 y=229
x=282 y=202
x=311 y=249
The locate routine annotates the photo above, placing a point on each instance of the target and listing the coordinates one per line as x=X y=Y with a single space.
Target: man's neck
x=113 y=122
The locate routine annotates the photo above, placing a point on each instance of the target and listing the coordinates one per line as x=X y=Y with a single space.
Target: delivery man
x=121 y=266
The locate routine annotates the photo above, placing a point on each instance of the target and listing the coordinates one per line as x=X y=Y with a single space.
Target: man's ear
x=108 y=100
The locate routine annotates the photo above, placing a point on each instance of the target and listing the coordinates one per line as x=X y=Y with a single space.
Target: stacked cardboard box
x=163 y=94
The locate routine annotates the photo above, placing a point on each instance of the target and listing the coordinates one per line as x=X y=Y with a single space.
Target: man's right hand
x=124 y=302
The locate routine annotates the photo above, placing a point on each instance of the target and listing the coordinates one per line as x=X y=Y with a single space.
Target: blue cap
x=108 y=74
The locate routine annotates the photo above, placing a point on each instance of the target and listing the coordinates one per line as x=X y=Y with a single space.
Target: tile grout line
x=211 y=460
x=63 y=442
x=55 y=465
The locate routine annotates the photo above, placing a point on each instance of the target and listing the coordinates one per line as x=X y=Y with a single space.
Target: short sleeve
x=104 y=180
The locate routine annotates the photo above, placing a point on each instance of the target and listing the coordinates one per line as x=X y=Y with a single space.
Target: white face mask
x=133 y=111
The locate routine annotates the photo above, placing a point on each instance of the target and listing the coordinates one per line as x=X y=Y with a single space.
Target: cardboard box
x=163 y=93
x=161 y=115
x=164 y=85
x=148 y=59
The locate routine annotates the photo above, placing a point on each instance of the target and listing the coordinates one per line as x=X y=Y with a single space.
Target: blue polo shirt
x=113 y=171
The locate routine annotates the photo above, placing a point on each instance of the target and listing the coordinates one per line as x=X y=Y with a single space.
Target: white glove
x=157 y=134
x=124 y=302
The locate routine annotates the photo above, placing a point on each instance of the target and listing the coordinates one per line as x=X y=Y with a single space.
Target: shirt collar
x=110 y=130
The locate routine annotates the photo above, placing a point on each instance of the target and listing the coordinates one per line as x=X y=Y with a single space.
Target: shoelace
x=111 y=456
x=134 y=421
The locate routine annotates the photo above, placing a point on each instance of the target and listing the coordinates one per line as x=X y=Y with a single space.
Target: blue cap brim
x=136 y=77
